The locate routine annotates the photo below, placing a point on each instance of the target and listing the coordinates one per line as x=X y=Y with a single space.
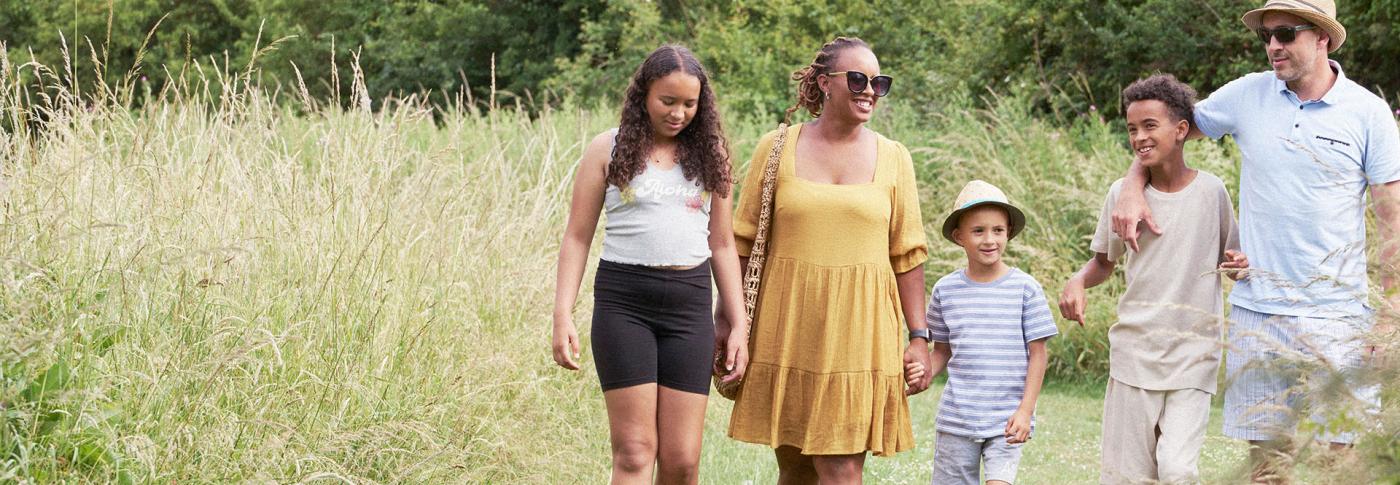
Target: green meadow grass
x=1064 y=449
x=233 y=284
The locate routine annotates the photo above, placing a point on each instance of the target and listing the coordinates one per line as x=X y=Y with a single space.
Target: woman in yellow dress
x=843 y=278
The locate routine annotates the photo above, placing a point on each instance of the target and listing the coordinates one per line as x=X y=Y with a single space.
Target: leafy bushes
x=405 y=46
x=1065 y=55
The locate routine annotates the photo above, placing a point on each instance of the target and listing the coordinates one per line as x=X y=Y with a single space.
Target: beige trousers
x=1152 y=436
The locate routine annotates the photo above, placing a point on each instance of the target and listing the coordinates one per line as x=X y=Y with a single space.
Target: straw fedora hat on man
x=976 y=194
x=1322 y=13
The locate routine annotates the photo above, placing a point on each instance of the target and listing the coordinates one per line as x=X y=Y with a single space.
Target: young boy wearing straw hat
x=1164 y=351
x=989 y=323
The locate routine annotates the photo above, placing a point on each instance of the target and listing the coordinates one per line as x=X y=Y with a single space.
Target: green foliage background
x=1065 y=54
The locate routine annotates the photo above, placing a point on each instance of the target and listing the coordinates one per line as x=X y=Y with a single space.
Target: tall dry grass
x=224 y=285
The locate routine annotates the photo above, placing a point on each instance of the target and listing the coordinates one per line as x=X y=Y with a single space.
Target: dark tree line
x=1066 y=54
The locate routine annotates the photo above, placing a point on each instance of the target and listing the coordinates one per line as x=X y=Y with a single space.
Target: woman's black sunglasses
x=1284 y=34
x=856 y=81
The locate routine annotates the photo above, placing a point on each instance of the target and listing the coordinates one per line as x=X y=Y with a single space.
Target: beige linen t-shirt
x=1169 y=317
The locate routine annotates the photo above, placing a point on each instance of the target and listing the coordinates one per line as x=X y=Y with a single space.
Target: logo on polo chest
x=1333 y=141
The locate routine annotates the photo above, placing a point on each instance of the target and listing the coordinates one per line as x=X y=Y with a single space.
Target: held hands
x=1236 y=265
x=565 y=343
x=916 y=363
x=1018 y=428
x=733 y=347
x=913 y=373
x=1072 y=301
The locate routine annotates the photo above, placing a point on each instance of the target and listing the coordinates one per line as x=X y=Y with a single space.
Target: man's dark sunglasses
x=856 y=81
x=1284 y=34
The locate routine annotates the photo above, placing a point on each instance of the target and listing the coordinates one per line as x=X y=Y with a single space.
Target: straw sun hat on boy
x=1322 y=13
x=978 y=193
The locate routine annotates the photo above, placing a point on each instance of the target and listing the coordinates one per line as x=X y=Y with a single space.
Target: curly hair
x=809 y=95
x=1179 y=98
x=701 y=150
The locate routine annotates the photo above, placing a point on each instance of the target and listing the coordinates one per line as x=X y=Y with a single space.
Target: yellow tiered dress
x=827 y=345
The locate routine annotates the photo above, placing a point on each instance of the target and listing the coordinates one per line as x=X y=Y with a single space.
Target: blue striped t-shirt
x=987 y=325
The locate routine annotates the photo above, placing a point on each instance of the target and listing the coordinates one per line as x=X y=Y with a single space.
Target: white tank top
x=659 y=219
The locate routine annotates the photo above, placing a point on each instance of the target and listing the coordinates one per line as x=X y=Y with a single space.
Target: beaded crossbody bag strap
x=757 y=255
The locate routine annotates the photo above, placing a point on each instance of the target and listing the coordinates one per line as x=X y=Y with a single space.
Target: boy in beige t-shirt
x=1164 y=352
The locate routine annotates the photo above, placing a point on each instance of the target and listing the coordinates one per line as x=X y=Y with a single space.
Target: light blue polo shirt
x=1303 y=182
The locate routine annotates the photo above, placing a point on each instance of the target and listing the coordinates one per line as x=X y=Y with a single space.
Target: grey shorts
x=956 y=459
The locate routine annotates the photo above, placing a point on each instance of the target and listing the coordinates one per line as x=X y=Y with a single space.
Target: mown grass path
x=1064 y=449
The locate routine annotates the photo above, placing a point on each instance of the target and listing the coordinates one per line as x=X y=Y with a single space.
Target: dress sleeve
x=908 y=246
x=751 y=197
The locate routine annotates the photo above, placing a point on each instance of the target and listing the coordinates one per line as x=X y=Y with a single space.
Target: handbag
x=754 y=271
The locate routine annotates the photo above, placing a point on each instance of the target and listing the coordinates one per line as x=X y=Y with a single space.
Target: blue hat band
x=973 y=202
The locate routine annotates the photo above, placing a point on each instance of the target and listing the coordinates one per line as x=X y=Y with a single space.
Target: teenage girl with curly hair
x=663 y=179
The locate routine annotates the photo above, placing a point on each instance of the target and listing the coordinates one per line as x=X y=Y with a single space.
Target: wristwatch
x=922 y=333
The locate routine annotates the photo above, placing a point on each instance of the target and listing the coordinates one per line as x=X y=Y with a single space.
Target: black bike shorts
x=653 y=325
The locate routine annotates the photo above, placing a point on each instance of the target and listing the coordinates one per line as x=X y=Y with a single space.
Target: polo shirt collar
x=1331 y=97
x=1335 y=94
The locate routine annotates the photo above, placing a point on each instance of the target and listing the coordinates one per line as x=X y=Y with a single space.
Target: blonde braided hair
x=809 y=95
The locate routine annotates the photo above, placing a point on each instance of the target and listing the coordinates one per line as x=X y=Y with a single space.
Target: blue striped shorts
x=1279 y=367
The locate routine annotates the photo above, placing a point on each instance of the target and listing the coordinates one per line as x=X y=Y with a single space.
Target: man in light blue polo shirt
x=1313 y=143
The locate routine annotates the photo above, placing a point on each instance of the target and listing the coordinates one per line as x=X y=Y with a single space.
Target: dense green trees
x=1065 y=54
x=403 y=46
